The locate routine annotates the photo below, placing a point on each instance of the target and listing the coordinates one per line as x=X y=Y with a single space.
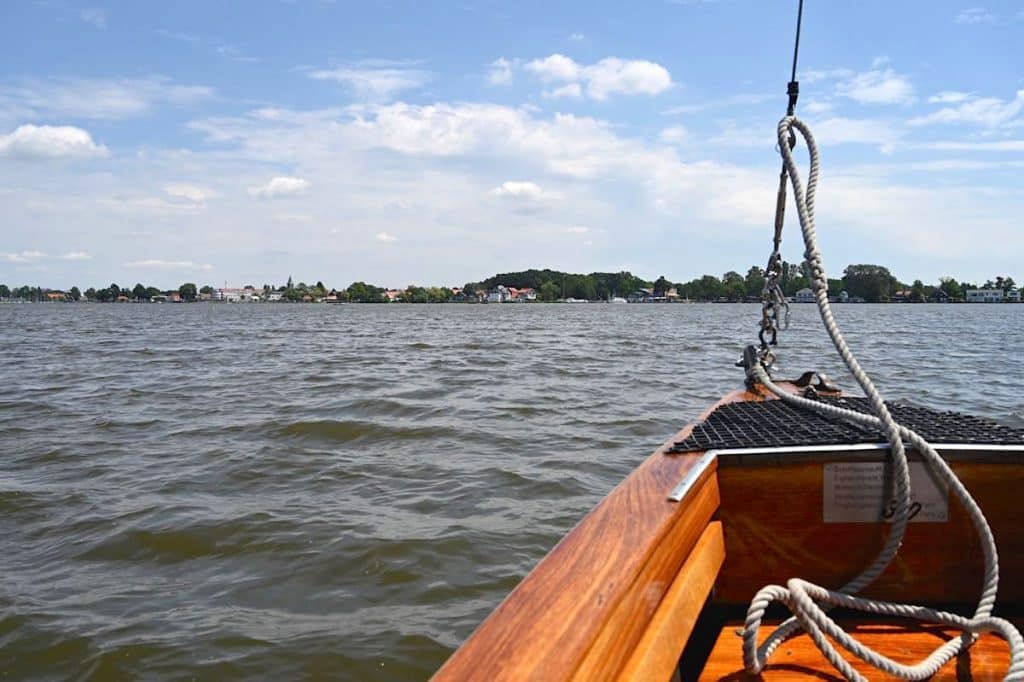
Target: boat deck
x=799 y=659
x=650 y=584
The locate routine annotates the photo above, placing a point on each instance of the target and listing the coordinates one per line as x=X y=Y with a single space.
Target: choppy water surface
x=227 y=492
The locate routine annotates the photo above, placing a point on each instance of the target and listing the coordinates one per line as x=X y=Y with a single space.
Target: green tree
x=188 y=291
x=917 y=292
x=139 y=292
x=661 y=286
x=361 y=292
x=90 y=294
x=873 y=283
x=754 y=281
x=75 y=294
x=5 y=292
x=207 y=289
x=549 y=291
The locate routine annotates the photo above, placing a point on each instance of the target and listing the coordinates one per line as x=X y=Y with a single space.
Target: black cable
x=793 y=89
x=796 y=47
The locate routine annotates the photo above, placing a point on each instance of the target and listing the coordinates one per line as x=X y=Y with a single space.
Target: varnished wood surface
x=798 y=659
x=656 y=654
x=584 y=607
x=774 y=531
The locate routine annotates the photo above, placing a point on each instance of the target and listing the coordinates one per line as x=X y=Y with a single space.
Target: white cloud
x=610 y=75
x=572 y=90
x=196 y=195
x=957 y=146
x=523 y=191
x=50 y=142
x=877 y=86
x=975 y=15
x=817 y=106
x=989 y=112
x=22 y=257
x=576 y=37
x=556 y=67
x=96 y=98
x=386 y=237
x=375 y=80
x=818 y=75
x=501 y=71
x=577 y=229
x=838 y=130
x=156 y=264
x=76 y=255
x=95 y=16
x=949 y=97
x=280 y=187
x=632 y=77
x=674 y=134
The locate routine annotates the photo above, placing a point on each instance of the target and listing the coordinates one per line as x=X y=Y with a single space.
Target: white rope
x=805 y=599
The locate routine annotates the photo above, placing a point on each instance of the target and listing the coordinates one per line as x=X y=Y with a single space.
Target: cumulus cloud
x=523 y=191
x=280 y=187
x=989 y=112
x=191 y=193
x=500 y=72
x=568 y=90
x=386 y=237
x=50 y=142
x=877 y=86
x=674 y=134
x=576 y=37
x=556 y=67
x=76 y=255
x=375 y=80
x=608 y=76
x=157 y=264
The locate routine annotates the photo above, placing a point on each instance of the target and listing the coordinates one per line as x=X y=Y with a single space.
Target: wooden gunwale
x=581 y=611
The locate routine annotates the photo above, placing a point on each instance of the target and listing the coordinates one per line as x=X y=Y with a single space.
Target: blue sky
x=438 y=143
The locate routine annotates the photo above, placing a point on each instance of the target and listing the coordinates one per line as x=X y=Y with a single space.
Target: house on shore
x=499 y=294
x=1013 y=295
x=804 y=296
x=984 y=295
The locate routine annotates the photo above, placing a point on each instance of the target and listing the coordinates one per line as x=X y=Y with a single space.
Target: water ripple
x=253 y=492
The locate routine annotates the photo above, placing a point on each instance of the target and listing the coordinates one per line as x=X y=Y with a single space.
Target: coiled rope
x=805 y=600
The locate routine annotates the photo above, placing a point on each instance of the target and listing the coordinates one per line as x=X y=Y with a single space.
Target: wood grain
x=584 y=607
x=656 y=656
x=799 y=659
x=772 y=515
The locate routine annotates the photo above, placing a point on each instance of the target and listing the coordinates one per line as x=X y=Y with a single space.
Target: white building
x=498 y=294
x=804 y=296
x=1013 y=295
x=984 y=295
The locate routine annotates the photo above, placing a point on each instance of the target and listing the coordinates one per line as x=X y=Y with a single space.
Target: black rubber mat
x=773 y=423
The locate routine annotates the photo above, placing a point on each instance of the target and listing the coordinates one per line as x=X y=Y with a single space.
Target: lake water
x=280 y=492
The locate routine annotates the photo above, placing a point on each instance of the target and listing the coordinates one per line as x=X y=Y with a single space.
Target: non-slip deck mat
x=773 y=423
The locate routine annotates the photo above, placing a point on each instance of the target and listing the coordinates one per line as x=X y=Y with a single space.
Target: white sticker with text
x=855 y=492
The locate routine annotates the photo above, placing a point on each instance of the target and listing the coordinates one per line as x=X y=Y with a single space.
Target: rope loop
x=808 y=602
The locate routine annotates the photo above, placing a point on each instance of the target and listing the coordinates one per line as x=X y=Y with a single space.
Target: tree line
x=872 y=283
